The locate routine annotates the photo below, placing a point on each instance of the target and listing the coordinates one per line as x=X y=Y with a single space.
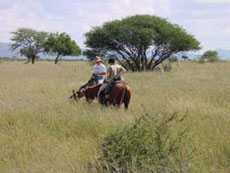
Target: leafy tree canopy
x=61 y=45
x=185 y=57
x=29 y=42
x=143 y=41
x=210 y=56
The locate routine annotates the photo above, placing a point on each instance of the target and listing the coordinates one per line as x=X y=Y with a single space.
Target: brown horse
x=120 y=93
x=77 y=95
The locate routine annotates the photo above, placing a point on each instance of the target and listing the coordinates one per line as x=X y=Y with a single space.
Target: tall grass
x=42 y=131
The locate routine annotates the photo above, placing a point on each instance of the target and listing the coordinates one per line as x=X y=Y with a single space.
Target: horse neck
x=95 y=89
x=84 y=86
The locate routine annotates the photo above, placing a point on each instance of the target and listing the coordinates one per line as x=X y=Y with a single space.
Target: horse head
x=81 y=91
x=73 y=96
x=78 y=94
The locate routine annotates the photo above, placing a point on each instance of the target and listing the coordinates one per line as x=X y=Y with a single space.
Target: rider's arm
x=108 y=73
x=94 y=73
x=121 y=72
x=102 y=71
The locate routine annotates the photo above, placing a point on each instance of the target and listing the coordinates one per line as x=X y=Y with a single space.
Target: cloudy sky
x=208 y=20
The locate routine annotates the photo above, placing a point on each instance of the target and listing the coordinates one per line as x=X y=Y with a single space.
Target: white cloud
x=212 y=33
x=76 y=17
x=73 y=17
x=212 y=1
x=30 y=14
x=3 y=1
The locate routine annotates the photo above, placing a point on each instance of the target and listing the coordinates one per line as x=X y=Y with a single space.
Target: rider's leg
x=101 y=89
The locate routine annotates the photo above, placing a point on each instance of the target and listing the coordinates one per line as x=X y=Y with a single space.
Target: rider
x=98 y=71
x=114 y=73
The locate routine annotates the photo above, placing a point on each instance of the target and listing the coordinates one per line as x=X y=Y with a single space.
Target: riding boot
x=106 y=99
x=101 y=97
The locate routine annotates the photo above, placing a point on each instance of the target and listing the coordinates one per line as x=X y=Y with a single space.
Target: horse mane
x=89 y=83
x=94 y=86
x=91 y=92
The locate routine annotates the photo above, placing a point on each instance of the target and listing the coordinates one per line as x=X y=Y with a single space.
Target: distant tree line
x=207 y=56
x=31 y=43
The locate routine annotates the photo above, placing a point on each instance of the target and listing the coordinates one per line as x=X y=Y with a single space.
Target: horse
x=119 y=94
x=77 y=95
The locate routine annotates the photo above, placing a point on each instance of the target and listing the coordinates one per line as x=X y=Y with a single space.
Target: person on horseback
x=114 y=74
x=99 y=71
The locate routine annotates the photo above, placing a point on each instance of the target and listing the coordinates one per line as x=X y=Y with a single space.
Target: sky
x=207 y=20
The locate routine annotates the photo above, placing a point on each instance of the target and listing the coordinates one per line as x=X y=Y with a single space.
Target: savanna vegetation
x=177 y=121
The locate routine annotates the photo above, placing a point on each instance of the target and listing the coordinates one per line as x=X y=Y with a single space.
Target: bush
x=173 y=59
x=201 y=61
x=213 y=59
x=148 y=145
x=210 y=56
x=167 y=67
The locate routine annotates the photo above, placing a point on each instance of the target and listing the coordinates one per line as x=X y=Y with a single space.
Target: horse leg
x=117 y=99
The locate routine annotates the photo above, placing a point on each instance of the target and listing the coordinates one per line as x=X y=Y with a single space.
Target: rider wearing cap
x=99 y=71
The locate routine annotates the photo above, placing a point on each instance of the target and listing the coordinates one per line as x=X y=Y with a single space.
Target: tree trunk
x=32 y=60
x=56 y=59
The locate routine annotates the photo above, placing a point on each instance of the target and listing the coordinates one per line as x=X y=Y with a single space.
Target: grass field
x=42 y=131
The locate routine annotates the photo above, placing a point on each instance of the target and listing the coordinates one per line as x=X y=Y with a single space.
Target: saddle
x=111 y=84
x=104 y=95
x=95 y=79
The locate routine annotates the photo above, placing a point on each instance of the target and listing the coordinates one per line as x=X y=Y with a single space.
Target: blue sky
x=207 y=20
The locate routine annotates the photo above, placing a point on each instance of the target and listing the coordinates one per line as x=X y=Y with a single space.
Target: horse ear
x=73 y=91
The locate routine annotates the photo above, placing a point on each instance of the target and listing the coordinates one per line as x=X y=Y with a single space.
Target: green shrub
x=201 y=61
x=149 y=145
x=167 y=67
x=210 y=56
x=173 y=59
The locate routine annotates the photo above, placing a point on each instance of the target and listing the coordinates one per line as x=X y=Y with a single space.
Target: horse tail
x=122 y=96
x=127 y=96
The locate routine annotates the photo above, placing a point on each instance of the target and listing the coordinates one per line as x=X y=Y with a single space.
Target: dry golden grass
x=41 y=131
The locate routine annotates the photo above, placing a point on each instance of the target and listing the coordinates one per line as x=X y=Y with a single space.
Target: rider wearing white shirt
x=98 y=71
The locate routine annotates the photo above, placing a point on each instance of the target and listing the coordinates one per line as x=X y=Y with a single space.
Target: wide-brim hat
x=98 y=59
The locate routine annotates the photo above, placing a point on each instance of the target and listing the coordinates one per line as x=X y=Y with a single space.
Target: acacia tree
x=29 y=42
x=210 y=55
x=140 y=42
x=61 y=45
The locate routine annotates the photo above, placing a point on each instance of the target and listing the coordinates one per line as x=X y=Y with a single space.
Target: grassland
x=42 y=131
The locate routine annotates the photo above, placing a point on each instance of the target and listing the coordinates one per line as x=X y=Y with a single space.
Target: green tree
x=184 y=57
x=29 y=42
x=142 y=41
x=61 y=45
x=210 y=56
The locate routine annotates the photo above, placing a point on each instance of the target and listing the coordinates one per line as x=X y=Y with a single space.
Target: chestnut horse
x=80 y=92
x=120 y=93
